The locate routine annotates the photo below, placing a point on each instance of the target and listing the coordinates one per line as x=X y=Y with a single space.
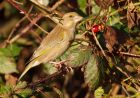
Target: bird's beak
x=78 y=18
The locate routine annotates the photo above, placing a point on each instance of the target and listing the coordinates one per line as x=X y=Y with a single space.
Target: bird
x=56 y=42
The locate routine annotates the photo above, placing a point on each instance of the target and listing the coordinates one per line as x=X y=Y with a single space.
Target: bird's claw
x=61 y=66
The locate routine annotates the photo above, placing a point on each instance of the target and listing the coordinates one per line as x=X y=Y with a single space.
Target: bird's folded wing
x=56 y=36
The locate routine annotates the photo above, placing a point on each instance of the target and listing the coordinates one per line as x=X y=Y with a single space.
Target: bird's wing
x=56 y=36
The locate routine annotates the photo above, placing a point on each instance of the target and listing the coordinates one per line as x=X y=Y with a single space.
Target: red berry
x=97 y=28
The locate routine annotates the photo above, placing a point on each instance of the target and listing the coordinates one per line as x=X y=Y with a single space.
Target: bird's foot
x=61 y=65
x=58 y=65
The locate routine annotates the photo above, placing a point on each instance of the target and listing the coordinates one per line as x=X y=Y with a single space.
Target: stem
x=125 y=7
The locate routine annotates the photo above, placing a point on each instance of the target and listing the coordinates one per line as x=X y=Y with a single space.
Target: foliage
x=102 y=61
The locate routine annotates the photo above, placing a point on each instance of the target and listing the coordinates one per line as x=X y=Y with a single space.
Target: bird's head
x=69 y=20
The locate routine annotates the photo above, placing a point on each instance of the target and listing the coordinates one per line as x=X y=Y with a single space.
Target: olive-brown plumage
x=56 y=42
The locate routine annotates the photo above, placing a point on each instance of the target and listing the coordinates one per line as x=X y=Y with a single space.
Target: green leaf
x=99 y=92
x=21 y=85
x=7 y=65
x=49 y=68
x=5 y=52
x=78 y=57
x=5 y=91
x=7 y=62
x=25 y=93
x=14 y=49
x=82 y=5
x=93 y=71
x=95 y=9
x=11 y=50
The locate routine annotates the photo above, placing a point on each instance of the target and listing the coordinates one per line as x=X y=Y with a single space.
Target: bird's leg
x=60 y=64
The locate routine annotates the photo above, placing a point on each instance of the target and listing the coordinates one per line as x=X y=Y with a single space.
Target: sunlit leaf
x=78 y=57
x=99 y=92
x=25 y=93
x=21 y=85
x=14 y=49
x=5 y=90
x=82 y=5
x=7 y=65
x=49 y=68
x=93 y=71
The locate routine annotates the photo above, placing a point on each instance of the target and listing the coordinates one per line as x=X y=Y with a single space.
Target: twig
x=51 y=77
x=36 y=24
x=129 y=54
x=24 y=30
x=56 y=5
x=125 y=7
x=126 y=91
x=89 y=7
x=17 y=7
x=97 y=42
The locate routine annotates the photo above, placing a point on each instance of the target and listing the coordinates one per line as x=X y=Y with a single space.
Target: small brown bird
x=56 y=42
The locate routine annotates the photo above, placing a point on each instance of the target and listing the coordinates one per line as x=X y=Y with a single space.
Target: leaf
x=5 y=91
x=99 y=92
x=110 y=38
x=78 y=57
x=11 y=50
x=82 y=5
x=133 y=15
x=49 y=68
x=21 y=85
x=104 y=3
x=96 y=8
x=114 y=37
x=92 y=73
x=114 y=18
x=5 y=52
x=25 y=93
x=7 y=62
x=14 y=49
x=7 y=65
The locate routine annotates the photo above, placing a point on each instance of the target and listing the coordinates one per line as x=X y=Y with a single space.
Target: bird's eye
x=71 y=16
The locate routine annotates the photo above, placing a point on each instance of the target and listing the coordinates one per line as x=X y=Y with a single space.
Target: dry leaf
x=114 y=37
x=132 y=15
x=104 y=3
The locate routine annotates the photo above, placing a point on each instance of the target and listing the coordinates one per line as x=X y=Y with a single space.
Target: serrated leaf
x=7 y=62
x=49 y=68
x=25 y=93
x=21 y=85
x=92 y=72
x=78 y=57
x=7 y=65
x=5 y=90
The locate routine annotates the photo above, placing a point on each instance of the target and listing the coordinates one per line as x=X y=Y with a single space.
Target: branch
x=51 y=77
x=129 y=54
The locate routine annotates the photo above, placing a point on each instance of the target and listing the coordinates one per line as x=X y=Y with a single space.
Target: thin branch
x=56 y=5
x=121 y=9
x=17 y=7
x=129 y=54
x=24 y=30
x=51 y=77
x=97 y=42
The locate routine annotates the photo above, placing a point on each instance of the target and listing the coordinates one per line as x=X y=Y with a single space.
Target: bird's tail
x=28 y=67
